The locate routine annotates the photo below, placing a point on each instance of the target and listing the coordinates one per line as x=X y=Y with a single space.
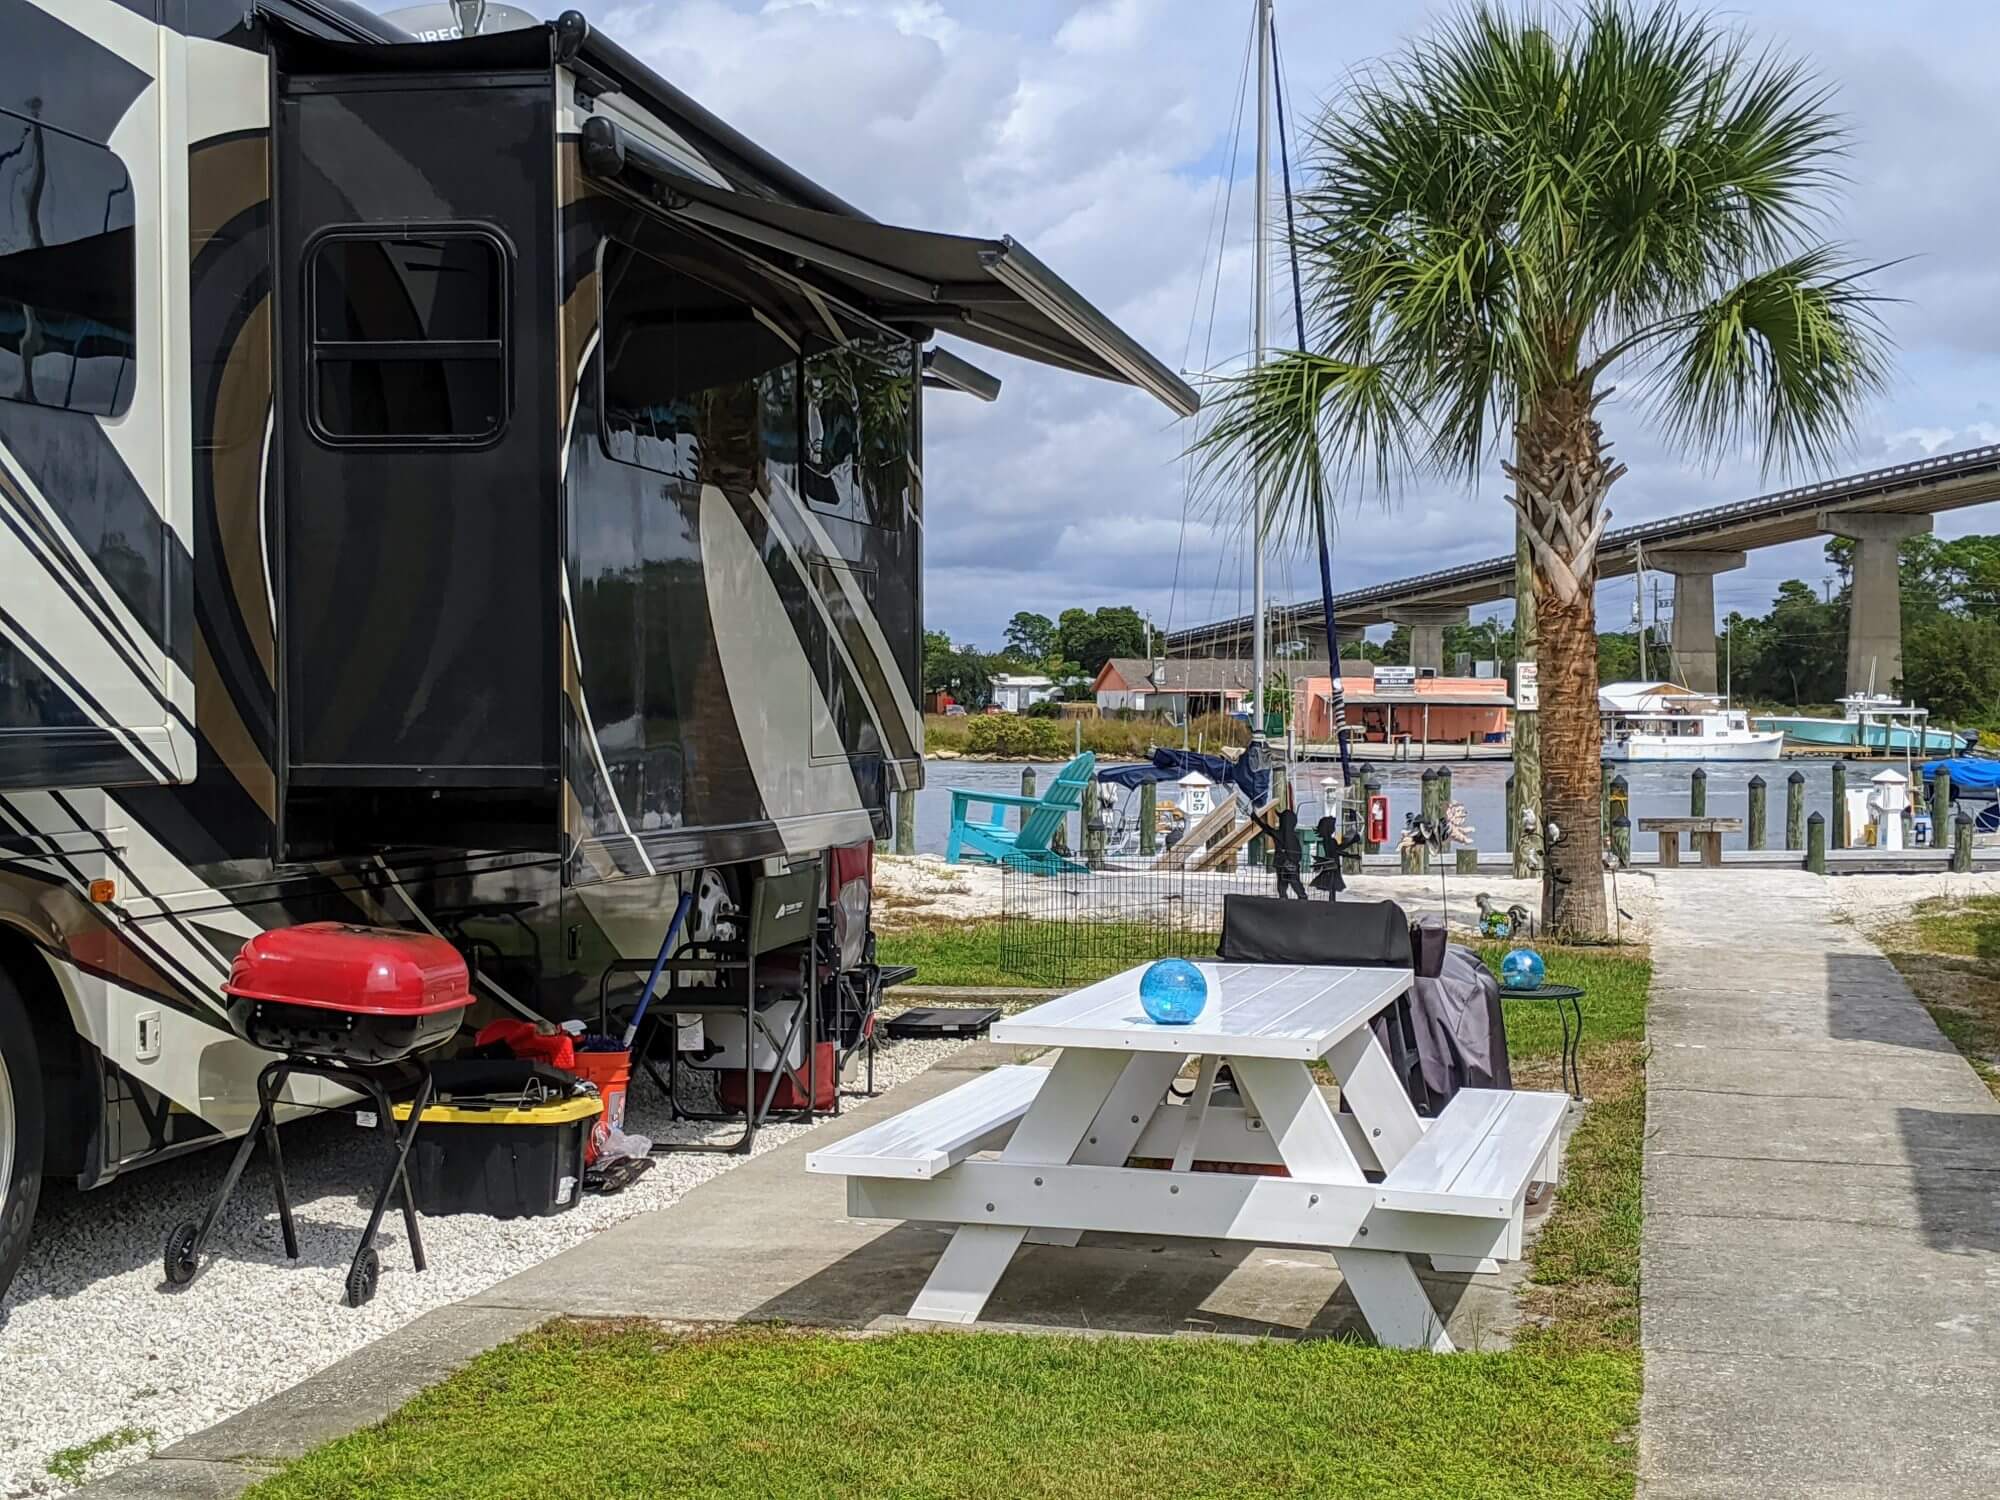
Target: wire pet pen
x=1077 y=926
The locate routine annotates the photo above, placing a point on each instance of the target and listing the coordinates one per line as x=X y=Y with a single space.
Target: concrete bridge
x=1877 y=509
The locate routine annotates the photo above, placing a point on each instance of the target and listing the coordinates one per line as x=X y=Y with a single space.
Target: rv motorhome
x=459 y=485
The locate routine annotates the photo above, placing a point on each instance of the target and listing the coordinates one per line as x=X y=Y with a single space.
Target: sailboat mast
x=1259 y=278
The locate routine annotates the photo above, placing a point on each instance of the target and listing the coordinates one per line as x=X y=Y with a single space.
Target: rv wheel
x=21 y=1126
x=362 y=1276
x=180 y=1258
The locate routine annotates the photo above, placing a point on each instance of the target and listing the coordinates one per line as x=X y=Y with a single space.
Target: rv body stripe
x=24 y=640
x=75 y=590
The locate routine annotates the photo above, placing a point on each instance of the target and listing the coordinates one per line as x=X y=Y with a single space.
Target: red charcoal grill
x=346 y=1004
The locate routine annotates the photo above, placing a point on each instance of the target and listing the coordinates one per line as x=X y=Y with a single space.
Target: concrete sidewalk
x=769 y=1242
x=1821 y=1266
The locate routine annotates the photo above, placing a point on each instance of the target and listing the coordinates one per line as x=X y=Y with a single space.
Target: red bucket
x=612 y=1073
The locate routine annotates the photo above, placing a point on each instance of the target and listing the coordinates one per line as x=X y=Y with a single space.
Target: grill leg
x=425 y=1089
x=241 y=1159
x=393 y=1177
x=268 y=1088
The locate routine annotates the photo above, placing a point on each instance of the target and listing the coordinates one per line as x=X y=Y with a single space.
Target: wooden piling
x=1027 y=790
x=1698 y=793
x=1621 y=798
x=906 y=822
x=1149 y=817
x=1513 y=814
x=1603 y=800
x=1795 y=810
x=1756 y=818
x=1091 y=818
x=1621 y=841
x=1466 y=861
x=1840 y=804
x=1416 y=858
x=1940 y=802
x=1961 y=844
x=1816 y=843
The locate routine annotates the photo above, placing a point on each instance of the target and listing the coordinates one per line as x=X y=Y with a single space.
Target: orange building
x=1435 y=710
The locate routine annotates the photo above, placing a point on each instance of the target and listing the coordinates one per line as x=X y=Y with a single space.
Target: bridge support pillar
x=1427 y=623
x=1693 y=638
x=1875 y=603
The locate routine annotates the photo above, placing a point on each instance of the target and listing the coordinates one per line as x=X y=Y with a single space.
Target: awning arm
x=947 y=371
x=1018 y=270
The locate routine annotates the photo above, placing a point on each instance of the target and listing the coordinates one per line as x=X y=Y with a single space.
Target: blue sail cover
x=1246 y=773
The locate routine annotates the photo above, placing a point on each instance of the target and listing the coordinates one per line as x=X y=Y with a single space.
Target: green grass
x=1949 y=953
x=630 y=1410
x=71 y=1466
x=622 y=1410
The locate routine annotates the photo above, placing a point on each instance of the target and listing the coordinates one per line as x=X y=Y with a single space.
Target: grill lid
x=374 y=971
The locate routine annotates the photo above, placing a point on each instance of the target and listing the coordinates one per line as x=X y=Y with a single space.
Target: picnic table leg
x=1670 y=848
x=1310 y=1142
x=1372 y=1089
x=1711 y=850
x=1056 y=1124
x=1118 y=1125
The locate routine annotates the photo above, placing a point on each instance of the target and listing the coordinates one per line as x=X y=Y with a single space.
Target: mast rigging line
x=1337 y=698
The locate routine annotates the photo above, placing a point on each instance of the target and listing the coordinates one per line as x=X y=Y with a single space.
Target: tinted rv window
x=408 y=338
x=67 y=334
x=858 y=408
x=696 y=384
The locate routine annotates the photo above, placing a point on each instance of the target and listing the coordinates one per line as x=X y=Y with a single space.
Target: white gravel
x=91 y=1343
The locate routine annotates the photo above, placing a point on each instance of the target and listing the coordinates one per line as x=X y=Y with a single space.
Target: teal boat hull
x=1844 y=735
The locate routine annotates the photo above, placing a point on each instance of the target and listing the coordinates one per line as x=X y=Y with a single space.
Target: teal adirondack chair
x=987 y=837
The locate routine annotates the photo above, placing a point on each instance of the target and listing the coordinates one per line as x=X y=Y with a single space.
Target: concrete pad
x=1897 y=1027
x=1808 y=1290
x=1841 y=1192
x=1826 y=1074
x=361 y=1390
x=160 y=1478
x=1721 y=1426
x=1861 y=1132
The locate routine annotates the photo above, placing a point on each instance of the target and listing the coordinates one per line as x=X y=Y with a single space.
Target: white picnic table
x=1101 y=1141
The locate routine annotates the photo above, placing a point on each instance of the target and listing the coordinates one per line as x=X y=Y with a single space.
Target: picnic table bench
x=1100 y=1142
x=1705 y=833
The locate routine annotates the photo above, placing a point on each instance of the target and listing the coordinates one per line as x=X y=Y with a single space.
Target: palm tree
x=1500 y=220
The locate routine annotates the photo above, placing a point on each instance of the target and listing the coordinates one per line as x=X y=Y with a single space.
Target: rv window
x=859 y=426
x=67 y=335
x=408 y=338
x=697 y=384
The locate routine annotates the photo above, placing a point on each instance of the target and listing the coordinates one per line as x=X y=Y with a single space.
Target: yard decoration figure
x=1288 y=852
x=1326 y=869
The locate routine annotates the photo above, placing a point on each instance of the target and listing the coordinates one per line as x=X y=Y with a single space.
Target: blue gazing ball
x=1522 y=969
x=1173 y=992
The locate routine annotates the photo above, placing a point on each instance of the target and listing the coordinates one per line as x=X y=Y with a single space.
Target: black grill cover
x=1273 y=930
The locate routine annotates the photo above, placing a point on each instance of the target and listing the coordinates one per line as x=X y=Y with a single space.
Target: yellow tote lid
x=561 y=1112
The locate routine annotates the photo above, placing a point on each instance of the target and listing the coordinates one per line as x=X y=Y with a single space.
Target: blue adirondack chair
x=987 y=837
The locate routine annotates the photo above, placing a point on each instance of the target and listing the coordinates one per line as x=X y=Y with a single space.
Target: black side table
x=1564 y=995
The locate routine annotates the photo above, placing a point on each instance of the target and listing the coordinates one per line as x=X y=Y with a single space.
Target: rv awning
x=991 y=292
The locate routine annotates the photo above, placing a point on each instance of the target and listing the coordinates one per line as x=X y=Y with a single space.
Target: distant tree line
x=1793 y=654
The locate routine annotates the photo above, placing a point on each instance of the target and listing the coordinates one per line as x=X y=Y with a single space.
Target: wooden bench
x=938 y=1134
x=1705 y=833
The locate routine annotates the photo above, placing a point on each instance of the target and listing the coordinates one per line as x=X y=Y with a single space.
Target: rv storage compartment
x=508 y=1163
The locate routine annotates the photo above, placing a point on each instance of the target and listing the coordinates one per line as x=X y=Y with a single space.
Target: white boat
x=1663 y=721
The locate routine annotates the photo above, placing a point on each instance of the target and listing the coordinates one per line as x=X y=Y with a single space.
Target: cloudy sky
x=1098 y=134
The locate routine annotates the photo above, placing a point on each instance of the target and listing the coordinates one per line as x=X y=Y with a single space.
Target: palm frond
x=1300 y=429
x=1784 y=358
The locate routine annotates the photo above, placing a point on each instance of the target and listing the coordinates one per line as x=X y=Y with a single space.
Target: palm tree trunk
x=1561 y=476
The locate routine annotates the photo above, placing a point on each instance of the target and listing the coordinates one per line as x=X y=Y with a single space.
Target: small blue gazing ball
x=1173 y=992
x=1522 y=969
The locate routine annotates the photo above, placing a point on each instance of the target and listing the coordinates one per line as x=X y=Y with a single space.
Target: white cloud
x=1095 y=133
